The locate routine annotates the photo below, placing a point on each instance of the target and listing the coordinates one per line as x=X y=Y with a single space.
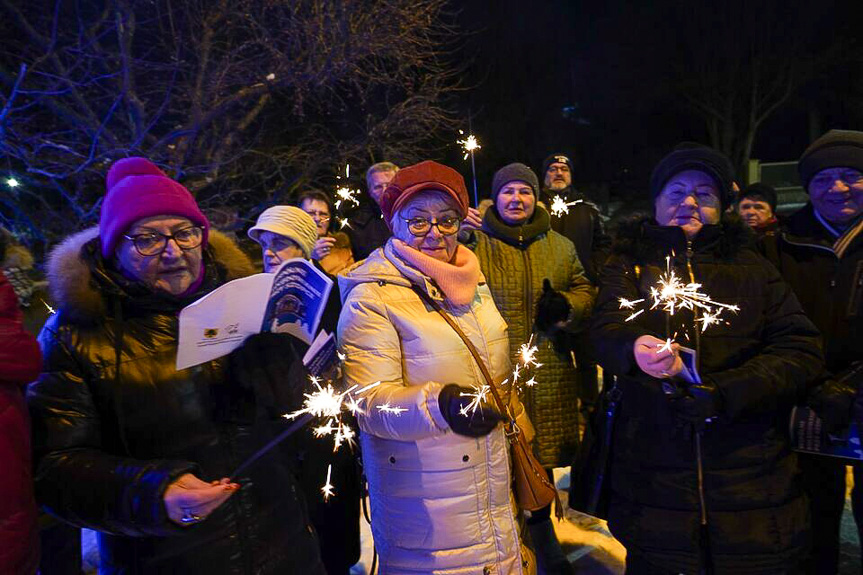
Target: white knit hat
x=288 y=221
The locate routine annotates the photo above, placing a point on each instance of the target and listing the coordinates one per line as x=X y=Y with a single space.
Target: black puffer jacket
x=828 y=285
x=760 y=359
x=108 y=443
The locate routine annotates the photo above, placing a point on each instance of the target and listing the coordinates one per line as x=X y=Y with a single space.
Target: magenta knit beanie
x=137 y=189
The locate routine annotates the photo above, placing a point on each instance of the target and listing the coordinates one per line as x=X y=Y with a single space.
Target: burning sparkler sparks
x=560 y=206
x=387 y=408
x=469 y=144
x=478 y=396
x=327 y=489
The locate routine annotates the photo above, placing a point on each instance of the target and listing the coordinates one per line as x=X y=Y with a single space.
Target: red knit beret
x=427 y=175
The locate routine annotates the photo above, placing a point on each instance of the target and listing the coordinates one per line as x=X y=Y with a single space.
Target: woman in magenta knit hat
x=135 y=449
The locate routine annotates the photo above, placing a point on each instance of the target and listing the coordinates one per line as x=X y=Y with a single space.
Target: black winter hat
x=759 y=191
x=835 y=149
x=556 y=158
x=513 y=172
x=693 y=156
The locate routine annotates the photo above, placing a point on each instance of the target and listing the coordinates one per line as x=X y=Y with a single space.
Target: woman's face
x=173 y=269
x=277 y=249
x=689 y=200
x=515 y=203
x=437 y=208
x=320 y=212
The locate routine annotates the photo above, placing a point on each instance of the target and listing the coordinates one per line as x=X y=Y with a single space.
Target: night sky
x=597 y=80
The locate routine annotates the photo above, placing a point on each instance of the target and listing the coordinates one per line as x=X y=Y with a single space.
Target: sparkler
x=525 y=364
x=345 y=196
x=470 y=145
x=560 y=206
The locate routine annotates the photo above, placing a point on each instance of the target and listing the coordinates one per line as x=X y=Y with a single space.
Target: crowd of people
x=676 y=422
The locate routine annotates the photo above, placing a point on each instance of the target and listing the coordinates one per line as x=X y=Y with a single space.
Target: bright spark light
x=469 y=144
x=345 y=194
x=343 y=222
x=478 y=396
x=527 y=352
x=665 y=346
x=327 y=489
x=395 y=410
x=12 y=183
x=559 y=206
x=672 y=294
x=530 y=382
x=51 y=310
x=629 y=303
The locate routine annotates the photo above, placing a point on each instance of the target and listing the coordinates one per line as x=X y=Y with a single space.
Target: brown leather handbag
x=533 y=490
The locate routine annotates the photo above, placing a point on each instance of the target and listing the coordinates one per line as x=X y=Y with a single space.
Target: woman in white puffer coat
x=439 y=481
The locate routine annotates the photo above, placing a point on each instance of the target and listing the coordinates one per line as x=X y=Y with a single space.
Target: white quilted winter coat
x=441 y=502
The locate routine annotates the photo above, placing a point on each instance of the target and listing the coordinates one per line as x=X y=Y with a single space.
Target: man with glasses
x=582 y=225
x=820 y=253
x=539 y=286
x=333 y=248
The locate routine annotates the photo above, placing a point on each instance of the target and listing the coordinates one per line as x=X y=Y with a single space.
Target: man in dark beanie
x=820 y=253
x=582 y=225
x=757 y=206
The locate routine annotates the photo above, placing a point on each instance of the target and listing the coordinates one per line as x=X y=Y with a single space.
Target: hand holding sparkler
x=466 y=410
x=656 y=357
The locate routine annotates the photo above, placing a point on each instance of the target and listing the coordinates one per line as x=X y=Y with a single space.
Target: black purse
x=589 y=488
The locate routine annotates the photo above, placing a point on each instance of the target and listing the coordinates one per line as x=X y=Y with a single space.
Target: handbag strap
x=470 y=346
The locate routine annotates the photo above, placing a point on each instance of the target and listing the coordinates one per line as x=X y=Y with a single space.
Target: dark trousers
x=824 y=482
x=61 y=548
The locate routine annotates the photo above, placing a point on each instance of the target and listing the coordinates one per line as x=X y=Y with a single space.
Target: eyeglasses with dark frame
x=154 y=243
x=420 y=227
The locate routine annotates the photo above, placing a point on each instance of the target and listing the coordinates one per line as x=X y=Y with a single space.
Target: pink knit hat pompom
x=137 y=189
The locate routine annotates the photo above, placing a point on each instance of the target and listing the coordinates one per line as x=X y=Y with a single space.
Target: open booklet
x=291 y=300
x=809 y=436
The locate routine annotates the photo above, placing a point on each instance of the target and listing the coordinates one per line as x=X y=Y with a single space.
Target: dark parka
x=829 y=286
x=582 y=225
x=760 y=359
x=515 y=260
x=109 y=441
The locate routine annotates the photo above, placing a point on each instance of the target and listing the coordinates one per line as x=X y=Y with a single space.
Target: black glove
x=473 y=424
x=551 y=308
x=267 y=369
x=833 y=401
x=697 y=403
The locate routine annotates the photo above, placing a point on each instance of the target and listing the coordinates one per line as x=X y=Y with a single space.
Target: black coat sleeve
x=791 y=357
x=76 y=477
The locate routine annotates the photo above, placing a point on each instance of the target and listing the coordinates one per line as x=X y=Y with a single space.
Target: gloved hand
x=269 y=369
x=551 y=309
x=472 y=424
x=697 y=403
x=833 y=401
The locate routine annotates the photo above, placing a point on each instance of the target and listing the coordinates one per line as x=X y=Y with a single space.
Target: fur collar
x=76 y=292
x=641 y=238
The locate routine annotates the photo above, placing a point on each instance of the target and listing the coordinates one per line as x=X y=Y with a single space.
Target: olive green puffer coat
x=515 y=260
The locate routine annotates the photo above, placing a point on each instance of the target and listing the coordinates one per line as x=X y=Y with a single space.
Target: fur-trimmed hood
x=76 y=292
x=640 y=237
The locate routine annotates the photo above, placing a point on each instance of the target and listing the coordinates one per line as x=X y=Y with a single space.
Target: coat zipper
x=698 y=454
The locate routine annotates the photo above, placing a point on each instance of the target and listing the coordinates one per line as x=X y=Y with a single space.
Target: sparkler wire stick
x=295 y=426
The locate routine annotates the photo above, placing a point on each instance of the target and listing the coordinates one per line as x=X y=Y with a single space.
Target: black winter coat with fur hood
x=760 y=359
x=109 y=439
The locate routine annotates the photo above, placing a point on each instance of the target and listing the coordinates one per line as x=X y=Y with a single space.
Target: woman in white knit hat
x=286 y=232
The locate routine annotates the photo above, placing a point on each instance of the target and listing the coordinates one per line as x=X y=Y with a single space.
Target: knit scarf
x=518 y=236
x=457 y=280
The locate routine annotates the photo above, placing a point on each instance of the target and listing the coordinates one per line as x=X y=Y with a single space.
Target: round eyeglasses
x=421 y=227
x=154 y=243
